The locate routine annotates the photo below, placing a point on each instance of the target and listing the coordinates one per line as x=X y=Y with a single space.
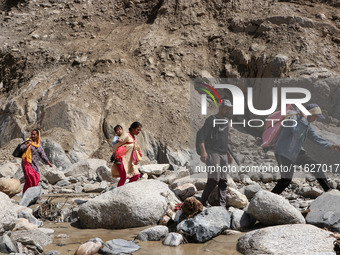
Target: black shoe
x=117 y=162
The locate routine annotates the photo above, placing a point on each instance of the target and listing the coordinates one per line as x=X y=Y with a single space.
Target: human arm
x=202 y=136
x=43 y=156
x=311 y=135
x=122 y=139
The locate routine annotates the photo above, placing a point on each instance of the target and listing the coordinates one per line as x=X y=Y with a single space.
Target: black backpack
x=17 y=152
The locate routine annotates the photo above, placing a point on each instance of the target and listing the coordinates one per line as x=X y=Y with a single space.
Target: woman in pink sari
x=129 y=154
x=30 y=160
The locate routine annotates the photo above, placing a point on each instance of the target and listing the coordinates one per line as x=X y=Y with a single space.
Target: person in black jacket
x=213 y=143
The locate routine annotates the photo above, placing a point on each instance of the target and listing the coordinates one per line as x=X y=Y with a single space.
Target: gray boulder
x=31 y=196
x=56 y=154
x=325 y=211
x=310 y=192
x=6 y=244
x=104 y=174
x=95 y=187
x=53 y=175
x=118 y=246
x=156 y=169
x=31 y=237
x=136 y=204
x=240 y=219
x=251 y=190
x=171 y=176
x=205 y=225
x=173 y=239
x=153 y=234
x=85 y=168
x=8 y=215
x=302 y=239
x=272 y=209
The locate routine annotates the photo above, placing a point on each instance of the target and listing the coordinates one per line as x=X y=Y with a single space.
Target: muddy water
x=223 y=244
x=219 y=245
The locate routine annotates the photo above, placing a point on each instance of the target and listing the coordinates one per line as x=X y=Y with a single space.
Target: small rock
x=31 y=196
x=173 y=239
x=235 y=198
x=153 y=234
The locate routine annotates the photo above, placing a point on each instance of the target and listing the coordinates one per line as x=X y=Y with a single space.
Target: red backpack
x=273 y=128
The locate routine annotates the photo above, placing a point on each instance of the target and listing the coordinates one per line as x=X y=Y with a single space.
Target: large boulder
x=272 y=209
x=240 y=219
x=85 y=168
x=10 y=187
x=8 y=215
x=206 y=225
x=30 y=196
x=136 y=204
x=56 y=154
x=302 y=239
x=31 y=237
x=53 y=175
x=9 y=169
x=325 y=211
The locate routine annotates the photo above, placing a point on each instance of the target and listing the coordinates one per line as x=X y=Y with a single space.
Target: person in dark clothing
x=289 y=151
x=213 y=143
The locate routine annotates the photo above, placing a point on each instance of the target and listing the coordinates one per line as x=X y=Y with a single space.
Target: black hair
x=135 y=125
x=36 y=130
x=116 y=127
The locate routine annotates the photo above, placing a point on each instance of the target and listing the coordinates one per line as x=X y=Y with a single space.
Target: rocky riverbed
x=144 y=215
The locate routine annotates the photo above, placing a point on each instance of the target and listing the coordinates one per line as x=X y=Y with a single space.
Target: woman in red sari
x=30 y=160
x=129 y=154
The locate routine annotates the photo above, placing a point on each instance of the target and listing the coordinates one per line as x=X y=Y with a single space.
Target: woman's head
x=135 y=128
x=35 y=134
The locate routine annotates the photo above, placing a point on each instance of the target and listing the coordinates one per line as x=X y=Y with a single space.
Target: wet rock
x=31 y=196
x=272 y=209
x=310 y=192
x=301 y=239
x=118 y=246
x=206 y=225
x=251 y=190
x=31 y=237
x=235 y=198
x=30 y=218
x=6 y=244
x=156 y=169
x=153 y=234
x=142 y=202
x=89 y=248
x=173 y=239
x=240 y=219
x=185 y=191
x=325 y=211
x=10 y=187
